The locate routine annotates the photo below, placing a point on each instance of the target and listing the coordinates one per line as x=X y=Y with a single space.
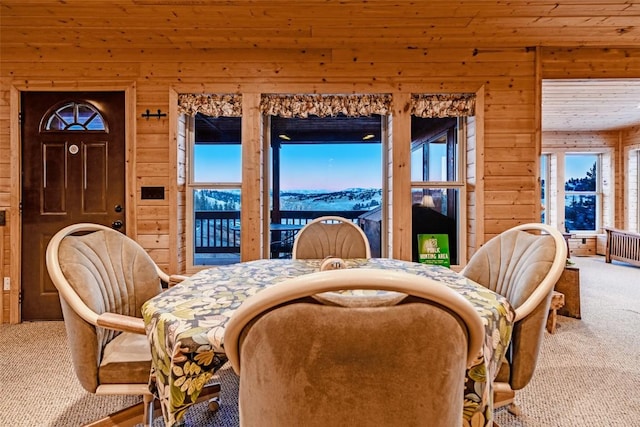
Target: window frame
x=632 y=166
x=268 y=179
x=191 y=185
x=597 y=193
x=636 y=202
x=605 y=202
x=459 y=184
x=253 y=131
x=545 y=186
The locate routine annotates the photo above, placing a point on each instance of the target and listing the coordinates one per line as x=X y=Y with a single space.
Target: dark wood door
x=73 y=168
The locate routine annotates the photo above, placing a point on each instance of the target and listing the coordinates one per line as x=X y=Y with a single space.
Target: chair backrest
x=331 y=236
x=524 y=267
x=311 y=356
x=99 y=271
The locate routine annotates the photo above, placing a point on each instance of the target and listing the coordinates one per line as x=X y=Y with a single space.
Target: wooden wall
x=279 y=54
x=631 y=137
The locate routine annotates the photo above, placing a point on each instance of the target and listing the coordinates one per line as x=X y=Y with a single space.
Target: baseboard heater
x=622 y=246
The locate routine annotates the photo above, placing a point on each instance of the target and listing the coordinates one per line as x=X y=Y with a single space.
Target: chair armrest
x=120 y=322
x=174 y=279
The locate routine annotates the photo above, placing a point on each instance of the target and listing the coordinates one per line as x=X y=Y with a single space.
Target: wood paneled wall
x=240 y=49
x=631 y=137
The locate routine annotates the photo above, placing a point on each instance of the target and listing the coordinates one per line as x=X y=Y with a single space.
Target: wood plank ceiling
x=105 y=27
x=590 y=105
x=357 y=31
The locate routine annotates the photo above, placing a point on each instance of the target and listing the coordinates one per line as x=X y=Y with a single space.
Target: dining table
x=185 y=325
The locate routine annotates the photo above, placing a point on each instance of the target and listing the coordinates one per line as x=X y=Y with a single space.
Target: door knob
x=117 y=224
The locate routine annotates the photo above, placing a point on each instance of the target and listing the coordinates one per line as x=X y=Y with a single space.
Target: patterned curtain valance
x=302 y=106
x=214 y=105
x=422 y=105
x=443 y=105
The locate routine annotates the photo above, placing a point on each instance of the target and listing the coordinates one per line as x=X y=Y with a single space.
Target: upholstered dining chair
x=331 y=236
x=103 y=277
x=308 y=354
x=523 y=264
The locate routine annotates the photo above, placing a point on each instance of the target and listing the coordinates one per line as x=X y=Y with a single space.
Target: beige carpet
x=588 y=373
x=39 y=387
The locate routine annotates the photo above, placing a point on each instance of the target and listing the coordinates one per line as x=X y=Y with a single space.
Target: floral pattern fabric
x=213 y=105
x=443 y=105
x=185 y=326
x=325 y=105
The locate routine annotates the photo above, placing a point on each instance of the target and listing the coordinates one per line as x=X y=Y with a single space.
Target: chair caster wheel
x=214 y=404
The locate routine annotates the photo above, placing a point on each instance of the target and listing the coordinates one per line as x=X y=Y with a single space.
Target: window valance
x=443 y=105
x=214 y=105
x=302 y=106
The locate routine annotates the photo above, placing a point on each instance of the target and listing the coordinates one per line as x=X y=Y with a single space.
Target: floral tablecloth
x=185 y=325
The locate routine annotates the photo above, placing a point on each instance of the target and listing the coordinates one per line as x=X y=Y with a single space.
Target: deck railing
x=219 y=231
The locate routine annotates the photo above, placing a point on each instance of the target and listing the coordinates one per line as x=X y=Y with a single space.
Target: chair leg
x=127 y=417
x=557 y=302
x=146 y=410
x=503 y=395
x=148 y=400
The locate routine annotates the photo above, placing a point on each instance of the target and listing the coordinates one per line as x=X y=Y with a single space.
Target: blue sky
x=217 y=163
x=576 y=166
x=329 y=166
x=303 y=167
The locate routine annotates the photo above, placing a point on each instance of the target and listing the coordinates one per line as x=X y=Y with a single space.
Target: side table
x=569 y=285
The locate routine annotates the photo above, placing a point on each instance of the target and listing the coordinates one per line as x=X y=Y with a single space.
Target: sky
x=303 y=167
x=576 y=166
x=331 y=166
x=328 y=166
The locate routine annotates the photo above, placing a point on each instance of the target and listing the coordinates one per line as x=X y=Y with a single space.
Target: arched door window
x=73 y=116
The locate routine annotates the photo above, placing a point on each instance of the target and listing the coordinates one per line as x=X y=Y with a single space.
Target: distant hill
x=298 y=200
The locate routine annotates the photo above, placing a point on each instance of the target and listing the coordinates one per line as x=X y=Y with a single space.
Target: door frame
x=14 y=216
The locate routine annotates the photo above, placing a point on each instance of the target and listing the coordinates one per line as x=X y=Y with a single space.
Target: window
x=633 y=197
x=325 y=166
x=303 y=126
x=215 y=180
x=582 y=192
x=544 y=188
x=437 y=185
x=636 y=203
x=73 y=116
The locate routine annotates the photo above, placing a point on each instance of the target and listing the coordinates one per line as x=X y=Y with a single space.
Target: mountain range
x=296 y=200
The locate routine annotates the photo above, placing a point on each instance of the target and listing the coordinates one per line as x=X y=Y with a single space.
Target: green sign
x=433 y=249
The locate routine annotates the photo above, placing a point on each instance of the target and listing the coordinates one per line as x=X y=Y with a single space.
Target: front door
x=73 y=169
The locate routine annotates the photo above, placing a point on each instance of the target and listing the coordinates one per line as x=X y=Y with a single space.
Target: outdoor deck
x=217 y=234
